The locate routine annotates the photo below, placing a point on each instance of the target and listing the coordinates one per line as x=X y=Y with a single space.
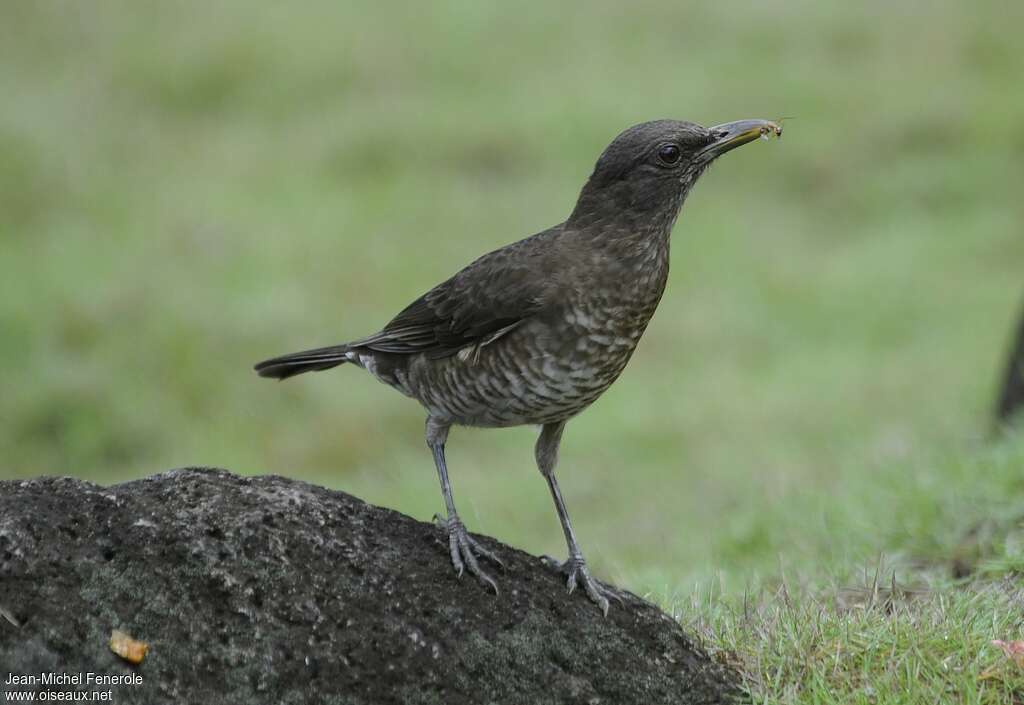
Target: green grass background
x=187 y=188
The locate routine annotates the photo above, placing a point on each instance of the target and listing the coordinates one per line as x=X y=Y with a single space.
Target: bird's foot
x=465 y=549
x=577 y=573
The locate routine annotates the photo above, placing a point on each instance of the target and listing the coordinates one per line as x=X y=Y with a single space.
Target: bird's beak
x=730 y=135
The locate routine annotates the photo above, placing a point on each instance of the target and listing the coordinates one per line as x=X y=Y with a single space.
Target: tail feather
x=293 y=364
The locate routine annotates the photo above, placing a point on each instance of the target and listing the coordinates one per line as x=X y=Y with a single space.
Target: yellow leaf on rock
x=127 y=648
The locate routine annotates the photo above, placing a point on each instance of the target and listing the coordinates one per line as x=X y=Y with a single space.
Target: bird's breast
x=552 y=366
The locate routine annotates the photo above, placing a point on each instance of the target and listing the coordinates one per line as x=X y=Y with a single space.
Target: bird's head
x=642 y=178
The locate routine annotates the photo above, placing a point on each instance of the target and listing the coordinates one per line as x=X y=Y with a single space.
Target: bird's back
x=528 y=334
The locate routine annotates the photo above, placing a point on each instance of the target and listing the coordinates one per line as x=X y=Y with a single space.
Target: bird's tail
x=306 y=361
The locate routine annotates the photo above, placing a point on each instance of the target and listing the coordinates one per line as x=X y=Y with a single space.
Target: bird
x=1011 y=395
x=534 y=332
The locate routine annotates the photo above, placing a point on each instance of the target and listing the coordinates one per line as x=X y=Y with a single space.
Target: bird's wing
x=490 y=297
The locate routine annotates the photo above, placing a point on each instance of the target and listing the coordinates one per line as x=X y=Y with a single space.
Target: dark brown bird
x=535 y=331
x=1011 y=396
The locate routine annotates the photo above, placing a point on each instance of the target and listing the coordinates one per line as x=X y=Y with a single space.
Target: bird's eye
x=668 y=154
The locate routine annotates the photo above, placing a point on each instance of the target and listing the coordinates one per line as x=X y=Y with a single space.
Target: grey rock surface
x=269 y=590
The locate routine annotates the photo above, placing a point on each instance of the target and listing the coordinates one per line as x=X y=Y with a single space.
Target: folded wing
x=489 y=298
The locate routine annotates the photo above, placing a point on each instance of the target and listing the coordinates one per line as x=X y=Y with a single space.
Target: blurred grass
x=191 y=187
x=895 y=628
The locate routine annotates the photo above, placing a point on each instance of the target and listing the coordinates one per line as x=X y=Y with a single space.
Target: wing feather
x=484 y=301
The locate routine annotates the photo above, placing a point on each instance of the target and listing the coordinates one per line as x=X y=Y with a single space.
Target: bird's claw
x=577 y=574
x=464 y=550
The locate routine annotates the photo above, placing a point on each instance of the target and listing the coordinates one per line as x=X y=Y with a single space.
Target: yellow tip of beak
x=730 y=135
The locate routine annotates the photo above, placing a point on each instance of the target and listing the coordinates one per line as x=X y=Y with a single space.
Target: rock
x=269 y=590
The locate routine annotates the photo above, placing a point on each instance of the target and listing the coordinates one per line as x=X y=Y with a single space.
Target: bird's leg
x=464 y=549
x=575 y=567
